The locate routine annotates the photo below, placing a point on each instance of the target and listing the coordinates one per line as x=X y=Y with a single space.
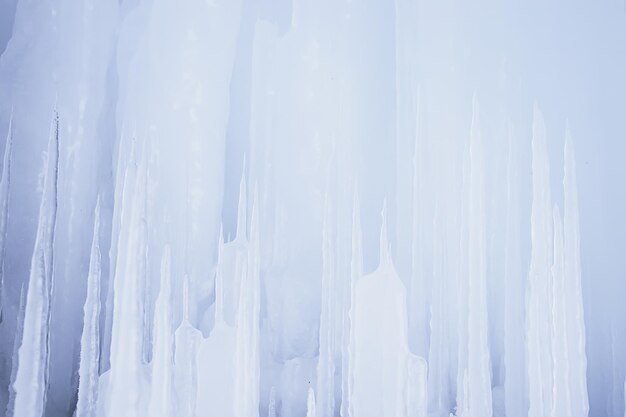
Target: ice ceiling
x=281 y=208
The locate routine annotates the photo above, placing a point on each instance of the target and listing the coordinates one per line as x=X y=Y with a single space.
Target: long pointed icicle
x=247 y=365
x=478 y=365
x=5 y=184
x=573 y=289
x=162 y=361
x=19 y=331
x=379 y=345
x=356 y=270
x=514 y=297
x=539 y=311
x=219 y=280
x=326 y=363
x=125 y=383
x=561 y=402
x=438 y=356
x=31 y=379
x=242 y=207
x=186 y=341
x=385 y=252
x=90 y=339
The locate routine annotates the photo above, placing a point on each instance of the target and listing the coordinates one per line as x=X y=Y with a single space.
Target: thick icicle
x=325 y=403
x=90 y=340
x=215 y=359
x=161 y=401
x=5 y=184
x=379 y=346
x=32 y=373
x=539 y=313
x=573 y=289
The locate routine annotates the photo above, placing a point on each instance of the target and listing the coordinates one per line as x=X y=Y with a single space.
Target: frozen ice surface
x=191 y=197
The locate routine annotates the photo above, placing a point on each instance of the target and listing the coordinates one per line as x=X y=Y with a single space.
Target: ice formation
x=231 y=208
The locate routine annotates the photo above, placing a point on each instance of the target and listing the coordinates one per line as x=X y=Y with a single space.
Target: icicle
x=215 y=357
x=478 y=364
x=126 y=375
x=539 y=313
x=438 y=385
x=379 y=346
x=161 y=402
x=247 y=365
x=573 y=290
x=19 y=332
x=356 y=270
x=463 y=290
x=242 y=207
x=515 y=290
x=419 y=283
x=561 y=401
x=32 y=374
x=219 y=279
x=356 y=263
x=90 y=339
x=326 y=362
x=186 y=341
x=310 y=404
x=385 y=251
x=185 y=301
x=5 y=184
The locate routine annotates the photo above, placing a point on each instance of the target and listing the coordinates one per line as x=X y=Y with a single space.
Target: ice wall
x=191 y=197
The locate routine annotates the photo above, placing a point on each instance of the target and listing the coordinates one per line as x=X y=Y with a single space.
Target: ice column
x=31 y=379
